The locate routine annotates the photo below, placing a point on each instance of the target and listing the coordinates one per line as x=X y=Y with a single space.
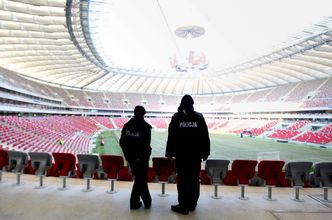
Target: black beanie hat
x=139 y=111
x=187 y=100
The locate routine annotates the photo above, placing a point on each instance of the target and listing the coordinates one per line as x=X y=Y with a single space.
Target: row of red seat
x=162 y=169
x=244 y=172
x=66 y=164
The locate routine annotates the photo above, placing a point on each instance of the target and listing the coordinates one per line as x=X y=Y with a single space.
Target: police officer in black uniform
x=188 y=143
x=135 y=143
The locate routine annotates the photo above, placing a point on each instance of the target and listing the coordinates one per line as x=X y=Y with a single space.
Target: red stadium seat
x=284 y=182
x=4 y=161
x=204 y=179
x=112 y=164
x=271 y=172
x=125 y=175
x=230 y=179
x=151 y=174
x=64 y=166
x=28 y=169
x=164 y=169
x=243 y=170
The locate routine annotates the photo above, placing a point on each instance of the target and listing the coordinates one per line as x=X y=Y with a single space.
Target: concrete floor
x=26 y=202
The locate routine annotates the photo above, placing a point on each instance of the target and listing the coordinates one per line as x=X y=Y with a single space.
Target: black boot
x=135 y=206
x=179 y=209
x=147 y=204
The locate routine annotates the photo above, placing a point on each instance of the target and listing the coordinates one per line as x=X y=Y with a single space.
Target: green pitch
x=226 y=147
x=111 y=140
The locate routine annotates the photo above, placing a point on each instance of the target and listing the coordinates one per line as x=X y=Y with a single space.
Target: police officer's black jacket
x=188 y=136
x=135 y=139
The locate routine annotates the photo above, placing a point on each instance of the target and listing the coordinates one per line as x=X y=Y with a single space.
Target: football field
x=226 y=147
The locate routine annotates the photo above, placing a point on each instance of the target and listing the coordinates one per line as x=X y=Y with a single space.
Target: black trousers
x=140 y=188
x=188 y=186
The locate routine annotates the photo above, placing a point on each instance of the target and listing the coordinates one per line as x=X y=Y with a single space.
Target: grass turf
x=225 y=147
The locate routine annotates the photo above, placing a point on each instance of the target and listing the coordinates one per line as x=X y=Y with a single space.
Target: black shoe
x=192 y=208
x=135 y=206
x=179 y=209
x=147 y=202
x=147 y=205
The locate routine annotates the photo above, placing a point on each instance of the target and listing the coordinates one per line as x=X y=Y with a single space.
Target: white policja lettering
x=133 y=134
x=188 y=124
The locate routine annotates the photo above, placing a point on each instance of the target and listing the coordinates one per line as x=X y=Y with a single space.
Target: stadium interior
x=70 y=79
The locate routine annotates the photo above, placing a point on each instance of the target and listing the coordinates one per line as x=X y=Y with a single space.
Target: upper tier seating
x=279 y=92
x=257 y=96
x=116 y=100
x=133 y=100
x=97 y=99
x=80 y=97
x=314 y=93
x=302 y=89
x=325 y=91
x=323 y=97
x=154 y=101
x=170 y=101
x=64 y=95
x=240 y=98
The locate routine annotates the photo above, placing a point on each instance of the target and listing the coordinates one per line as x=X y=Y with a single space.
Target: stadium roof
x=167 y=46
